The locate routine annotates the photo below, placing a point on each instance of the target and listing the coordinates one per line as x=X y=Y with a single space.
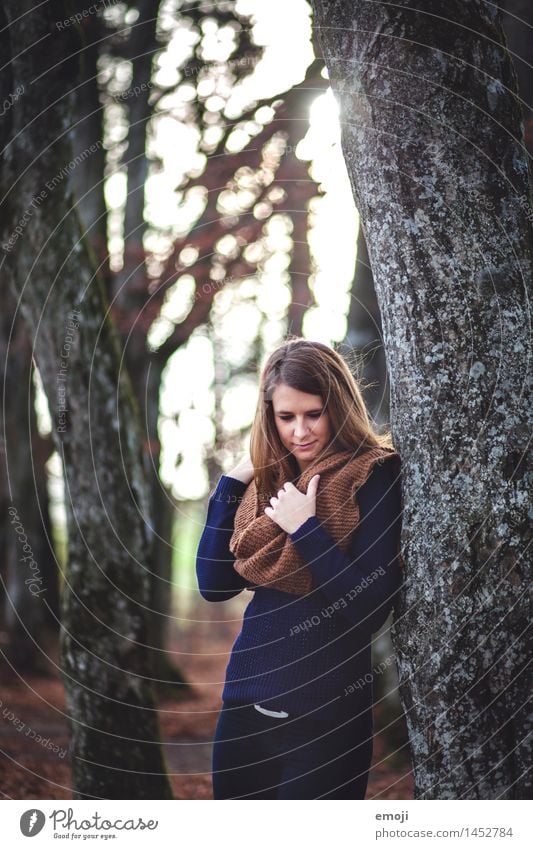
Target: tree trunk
x=29 y=624
x=518 y=26
x=130 y=310
x=115 y=736
x=31 y=603
x=130 y=284
x=432 y=139
x=170 y=682
x=364 y=333
x=88 y=176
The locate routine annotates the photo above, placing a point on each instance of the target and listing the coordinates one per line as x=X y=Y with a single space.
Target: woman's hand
x=244 y=470
x=290 y=508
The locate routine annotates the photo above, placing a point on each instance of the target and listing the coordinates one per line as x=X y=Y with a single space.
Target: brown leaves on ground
x=34 y=723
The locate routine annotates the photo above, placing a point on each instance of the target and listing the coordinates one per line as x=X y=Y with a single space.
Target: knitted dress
x=299 y=653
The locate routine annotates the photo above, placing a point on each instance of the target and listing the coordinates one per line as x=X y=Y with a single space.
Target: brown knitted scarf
x=265 y=554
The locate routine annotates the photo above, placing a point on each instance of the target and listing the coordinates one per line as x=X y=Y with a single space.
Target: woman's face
x=302 y=422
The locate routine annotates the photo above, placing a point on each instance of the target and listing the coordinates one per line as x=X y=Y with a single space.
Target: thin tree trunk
x=130 y=286
x=30 y=610
x=364 y=333
x=88 y=176
x=432 y=139
x=115 y=736
x=31 y=602
x=170 y=682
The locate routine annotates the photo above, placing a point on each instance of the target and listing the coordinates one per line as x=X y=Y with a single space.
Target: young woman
x=309 y=523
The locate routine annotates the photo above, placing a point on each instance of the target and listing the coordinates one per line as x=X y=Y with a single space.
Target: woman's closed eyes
x=311 y=415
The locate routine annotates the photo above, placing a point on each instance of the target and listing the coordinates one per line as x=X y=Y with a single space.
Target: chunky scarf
x=265 y=554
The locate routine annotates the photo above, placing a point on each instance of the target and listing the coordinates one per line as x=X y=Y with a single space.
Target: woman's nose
x=300 y=429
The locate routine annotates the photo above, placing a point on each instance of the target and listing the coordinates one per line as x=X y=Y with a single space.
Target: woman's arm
x=360 y=585
x=217 y=579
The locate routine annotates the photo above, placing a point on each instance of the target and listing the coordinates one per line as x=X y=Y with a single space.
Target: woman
x=310 y=523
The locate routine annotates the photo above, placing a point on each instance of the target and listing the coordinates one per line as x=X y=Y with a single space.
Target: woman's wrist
x=243 y=471
x=296 y=529
x=238 y=476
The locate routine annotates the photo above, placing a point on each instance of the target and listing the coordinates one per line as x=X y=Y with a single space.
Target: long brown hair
x=317 y=369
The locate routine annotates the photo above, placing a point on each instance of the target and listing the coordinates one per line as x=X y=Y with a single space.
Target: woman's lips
x=305 y=445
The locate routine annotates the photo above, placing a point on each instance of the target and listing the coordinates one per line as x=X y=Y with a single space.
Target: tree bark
x=518 y=26
x=364 y=333
x=115 y=737
x=29 y=624
x=130 y=284
x=432 y=138
x=88 y=177
x=32 y=601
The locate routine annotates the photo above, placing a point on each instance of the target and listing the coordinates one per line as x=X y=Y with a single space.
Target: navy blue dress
x=307 y=658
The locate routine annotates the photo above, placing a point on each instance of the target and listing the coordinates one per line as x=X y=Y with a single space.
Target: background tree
x=29 y=628
x=243 y=184
x=120 y=101
x=432 y=136
x=104 y=661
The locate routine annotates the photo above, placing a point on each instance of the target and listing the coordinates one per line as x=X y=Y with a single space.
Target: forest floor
x=34 y=734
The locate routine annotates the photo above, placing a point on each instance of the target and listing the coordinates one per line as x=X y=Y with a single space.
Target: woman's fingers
x=313 y=486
